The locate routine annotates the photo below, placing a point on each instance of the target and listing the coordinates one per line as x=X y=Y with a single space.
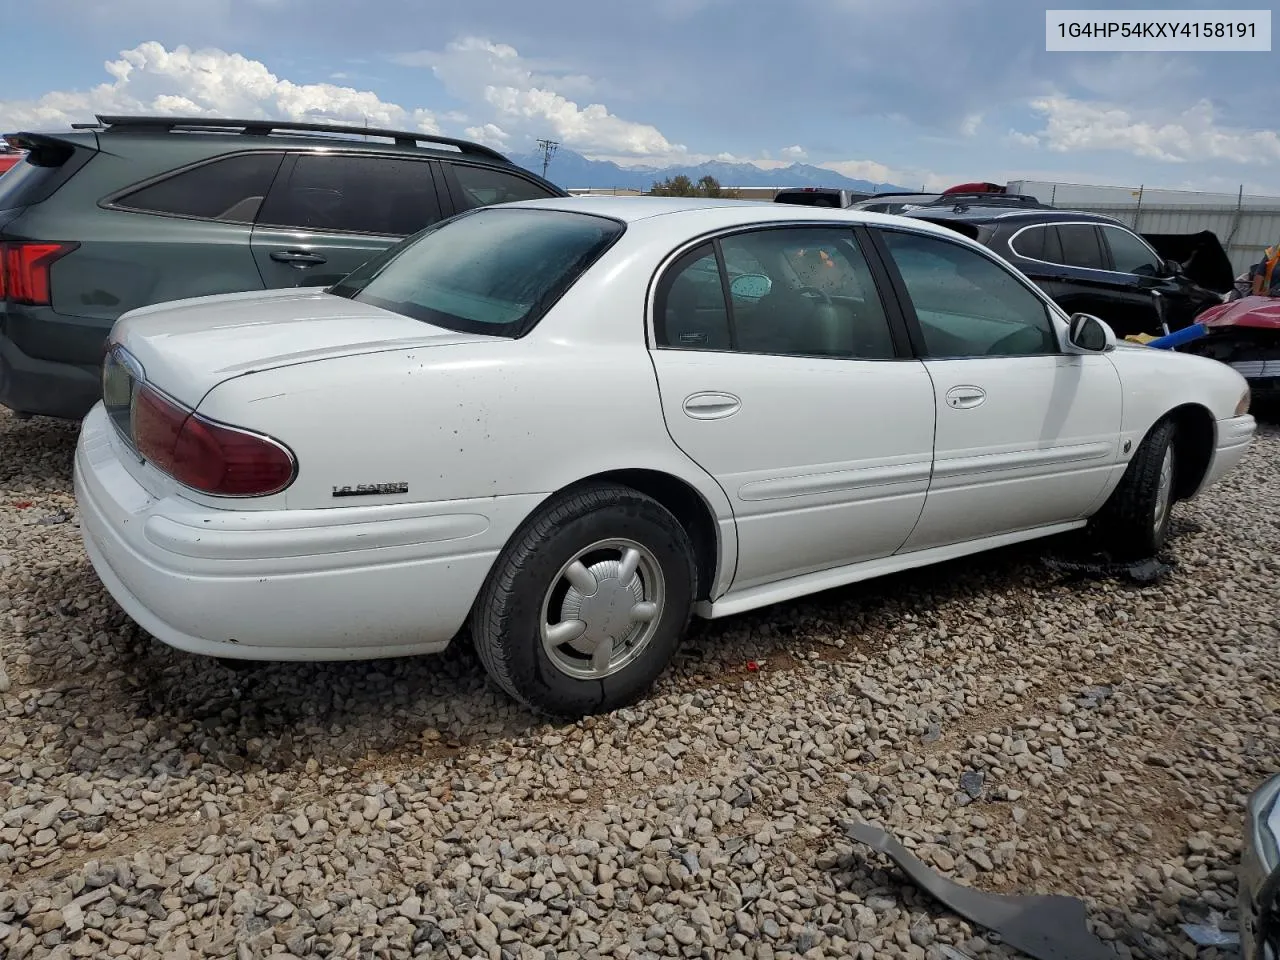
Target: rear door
x=327 y=213
x=790 y=386
x=1072 y=265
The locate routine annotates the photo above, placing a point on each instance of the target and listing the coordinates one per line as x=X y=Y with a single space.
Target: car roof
x=715 y=213
x=972 y=212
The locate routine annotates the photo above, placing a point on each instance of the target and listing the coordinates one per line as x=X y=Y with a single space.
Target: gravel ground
x=1021 y=729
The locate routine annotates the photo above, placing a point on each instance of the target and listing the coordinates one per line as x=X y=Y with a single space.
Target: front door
x=1141 y=274
x=1027 y=434
x=327 y=214
x=781 y=376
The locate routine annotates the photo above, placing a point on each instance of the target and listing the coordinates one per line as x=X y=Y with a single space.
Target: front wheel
x=587 y=603
x=1134 y=522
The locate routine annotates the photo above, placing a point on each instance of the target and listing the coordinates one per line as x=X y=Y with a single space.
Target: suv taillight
x=24 y=270
x=208 y=457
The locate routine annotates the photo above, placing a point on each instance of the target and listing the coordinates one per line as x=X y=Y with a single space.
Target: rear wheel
x=1134 y=522
x=586 y=605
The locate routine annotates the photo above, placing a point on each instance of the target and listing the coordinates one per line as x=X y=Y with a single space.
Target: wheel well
x=686 y=504
x=1194 y=438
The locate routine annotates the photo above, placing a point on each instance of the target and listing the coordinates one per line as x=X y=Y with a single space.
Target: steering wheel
x=821 y=294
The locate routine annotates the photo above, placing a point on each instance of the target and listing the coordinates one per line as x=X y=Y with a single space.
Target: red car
x=9 y=158
x=1245 y=334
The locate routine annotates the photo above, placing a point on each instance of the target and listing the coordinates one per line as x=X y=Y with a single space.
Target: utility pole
x=548 y=148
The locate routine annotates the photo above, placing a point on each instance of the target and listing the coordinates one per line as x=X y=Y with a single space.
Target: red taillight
x=207 y=456
x=24 y=270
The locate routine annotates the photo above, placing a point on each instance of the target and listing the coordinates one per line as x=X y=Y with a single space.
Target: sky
x=916 y=92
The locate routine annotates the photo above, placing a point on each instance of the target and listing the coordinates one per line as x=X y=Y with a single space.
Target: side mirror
x=750 y=286
x=1090 y=334
x=1173 y=268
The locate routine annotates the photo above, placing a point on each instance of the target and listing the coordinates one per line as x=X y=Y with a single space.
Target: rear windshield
x=38 y=175
x=494 y=270
x=813 y=199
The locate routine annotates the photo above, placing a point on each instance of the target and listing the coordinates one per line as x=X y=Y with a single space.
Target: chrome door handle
x=297 y=258
x=966 y=396
x=711 y=405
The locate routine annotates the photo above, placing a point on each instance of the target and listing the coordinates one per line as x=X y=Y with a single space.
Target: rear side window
x=387 y=196
x=231 y=189
x=1080 y=247
x=1038 y=243
x=493 y=271
x=484 y=186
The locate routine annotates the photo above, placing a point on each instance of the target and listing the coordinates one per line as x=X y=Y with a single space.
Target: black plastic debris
x=1103 y=568
x=1044 y=927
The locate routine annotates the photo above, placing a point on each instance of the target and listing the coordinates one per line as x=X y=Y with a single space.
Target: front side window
x=1080 y=246
x=493 y=271
x=968 y=305
x=231 y=189
x=387 y=196
x=796 y=291
x=484 y=186
x=1129 y=254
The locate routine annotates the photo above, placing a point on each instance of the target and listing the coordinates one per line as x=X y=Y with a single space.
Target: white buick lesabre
x=571 y=424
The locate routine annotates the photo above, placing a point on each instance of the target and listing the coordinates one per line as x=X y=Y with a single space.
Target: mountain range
x=572 y=170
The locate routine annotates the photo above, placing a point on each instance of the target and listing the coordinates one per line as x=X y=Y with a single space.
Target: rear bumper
x=46 y=387
x=333 y=584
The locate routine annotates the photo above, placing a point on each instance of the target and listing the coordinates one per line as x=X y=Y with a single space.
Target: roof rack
x=966 y=200
x=263 y=127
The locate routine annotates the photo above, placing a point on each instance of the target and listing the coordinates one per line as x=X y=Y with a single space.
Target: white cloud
x=1014 y=138
x=489 y=133
x=1193 y=135
x=880 y=173
x=970 y=125
x=795 y=152
x=152 y=79
x=532 y=98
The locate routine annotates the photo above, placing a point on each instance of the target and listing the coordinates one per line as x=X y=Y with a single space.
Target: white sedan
x=570 y=424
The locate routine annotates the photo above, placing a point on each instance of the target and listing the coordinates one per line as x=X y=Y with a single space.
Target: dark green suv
x=131 y=211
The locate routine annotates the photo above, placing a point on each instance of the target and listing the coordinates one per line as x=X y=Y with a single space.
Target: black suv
x=131 y=211
x=1088 y=263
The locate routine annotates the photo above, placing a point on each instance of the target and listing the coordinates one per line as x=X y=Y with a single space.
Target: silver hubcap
x=602 y=609
x=1164 y=490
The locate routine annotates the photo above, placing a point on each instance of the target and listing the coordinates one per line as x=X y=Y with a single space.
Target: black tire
x=506 y=620
x=1127 y=523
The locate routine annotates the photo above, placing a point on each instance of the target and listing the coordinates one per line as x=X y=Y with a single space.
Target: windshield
x=494 y=270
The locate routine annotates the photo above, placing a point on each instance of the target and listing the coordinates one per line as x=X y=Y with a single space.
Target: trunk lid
x=187 y=347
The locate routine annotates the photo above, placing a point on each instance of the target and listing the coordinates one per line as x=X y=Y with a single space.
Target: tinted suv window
x=1080 y=246
x=1129 y=254
x=967 y=304
x=228 y=189
x=1038 y=243
x=483 y=186
x=388 y=196
x=493 y=271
